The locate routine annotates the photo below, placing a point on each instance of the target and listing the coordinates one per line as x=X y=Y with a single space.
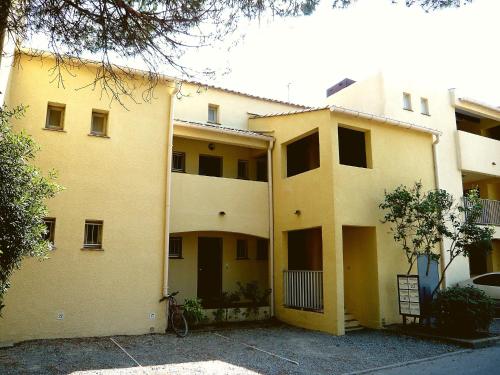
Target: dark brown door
x=209 y=270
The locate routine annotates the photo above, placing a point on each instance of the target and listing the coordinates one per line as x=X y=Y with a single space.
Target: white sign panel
x=408 y=293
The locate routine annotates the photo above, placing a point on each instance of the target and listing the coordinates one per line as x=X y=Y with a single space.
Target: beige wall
x=334 y=196
x=198 y=200
x=233 y=108
x=361 y=294
x=382 y=94
x=479 y=154
x=359 y=191
x=183 y=273
x=120 y=180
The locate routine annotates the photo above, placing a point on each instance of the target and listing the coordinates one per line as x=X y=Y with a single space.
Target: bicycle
x=176 y=318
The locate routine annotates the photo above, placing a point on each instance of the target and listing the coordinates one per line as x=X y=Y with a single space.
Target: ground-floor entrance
x=361 y=295
x=209 y=270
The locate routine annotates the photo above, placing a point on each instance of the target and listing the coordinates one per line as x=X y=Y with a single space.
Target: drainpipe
x=271 y=222
x=168 y=185
x=436 y=180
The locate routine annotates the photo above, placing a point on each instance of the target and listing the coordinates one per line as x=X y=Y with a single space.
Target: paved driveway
x=276 y=350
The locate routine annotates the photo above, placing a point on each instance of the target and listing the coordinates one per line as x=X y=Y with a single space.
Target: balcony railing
x=303 y=289
x=490 y=214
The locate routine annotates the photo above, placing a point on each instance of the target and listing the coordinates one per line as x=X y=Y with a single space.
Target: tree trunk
x=5 y=6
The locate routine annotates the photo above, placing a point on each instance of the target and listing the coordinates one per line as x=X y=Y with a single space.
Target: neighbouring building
x=467 y=153
x=203 y=191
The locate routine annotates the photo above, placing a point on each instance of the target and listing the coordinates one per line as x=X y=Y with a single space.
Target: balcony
x=303 y=289
x=491 y=211
x=479 y=154
x=205 y=203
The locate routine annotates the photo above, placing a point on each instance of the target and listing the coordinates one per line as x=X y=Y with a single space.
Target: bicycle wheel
x=179 y=323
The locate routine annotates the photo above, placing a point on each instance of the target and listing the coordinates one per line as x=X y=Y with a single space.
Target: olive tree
x=420 y=220
x=23 y=191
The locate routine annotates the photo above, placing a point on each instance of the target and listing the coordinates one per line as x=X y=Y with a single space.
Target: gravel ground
x=208 y=353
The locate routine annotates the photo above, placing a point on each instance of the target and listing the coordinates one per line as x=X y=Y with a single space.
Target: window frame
x=177 y=154
x=55 y=107
x=246 y=174
x=424 y=106
x=215 y=109
x=242 y=242
x=407 y=106
x=105 y=116
x=93 y=246
x=51 y=230
x=172 y=240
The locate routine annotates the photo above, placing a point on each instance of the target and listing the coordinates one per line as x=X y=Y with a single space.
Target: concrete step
x=351 y=323
x=348 y=316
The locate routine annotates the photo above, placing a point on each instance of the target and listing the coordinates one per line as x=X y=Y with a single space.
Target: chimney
x=346 y=82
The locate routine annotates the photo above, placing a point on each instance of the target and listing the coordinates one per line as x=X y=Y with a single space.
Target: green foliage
x=463 y=310
x=251 y=292
x=220 y=314
x=193 y=310
x=419 y=221
x=23 y=191
x=427 y=5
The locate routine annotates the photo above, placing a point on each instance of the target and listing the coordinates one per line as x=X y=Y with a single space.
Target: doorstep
x=466 y=343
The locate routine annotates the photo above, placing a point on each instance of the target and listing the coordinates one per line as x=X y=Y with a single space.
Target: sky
x=299 y=58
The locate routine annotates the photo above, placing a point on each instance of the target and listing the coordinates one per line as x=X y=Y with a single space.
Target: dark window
x=50 y=228
x=243 y=169
x=241 y=249
x=175 y=247
x=494 y=132
x=210 y=166
x=305 y=250
x=262 y=249
x=302 y=155
x=262 y=169
x=93 y=234
x=178 y=161
x=490 y=280
x=352 y=148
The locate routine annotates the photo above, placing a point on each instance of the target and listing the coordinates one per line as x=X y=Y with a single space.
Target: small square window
x=175 y=247
x=407 y=101
x=55 y=117
x=262 y=249
x=243 y=169
x=99 y=124
x=242 y=249
x=93 y=234
x=213 y=113
x=178 y=161
x=424 y=106
x=50 y=228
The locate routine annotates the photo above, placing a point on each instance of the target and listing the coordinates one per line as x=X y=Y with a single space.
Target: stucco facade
x=214 y=172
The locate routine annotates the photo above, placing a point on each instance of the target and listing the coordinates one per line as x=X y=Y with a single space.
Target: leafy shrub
x=463 y=310
x=251 y=292
x=193 y=311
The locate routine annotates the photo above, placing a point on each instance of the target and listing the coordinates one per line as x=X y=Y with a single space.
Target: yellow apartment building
x=467 y=153
x=203 y=191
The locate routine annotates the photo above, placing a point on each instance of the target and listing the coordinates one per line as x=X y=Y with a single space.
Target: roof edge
x=164 y=77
